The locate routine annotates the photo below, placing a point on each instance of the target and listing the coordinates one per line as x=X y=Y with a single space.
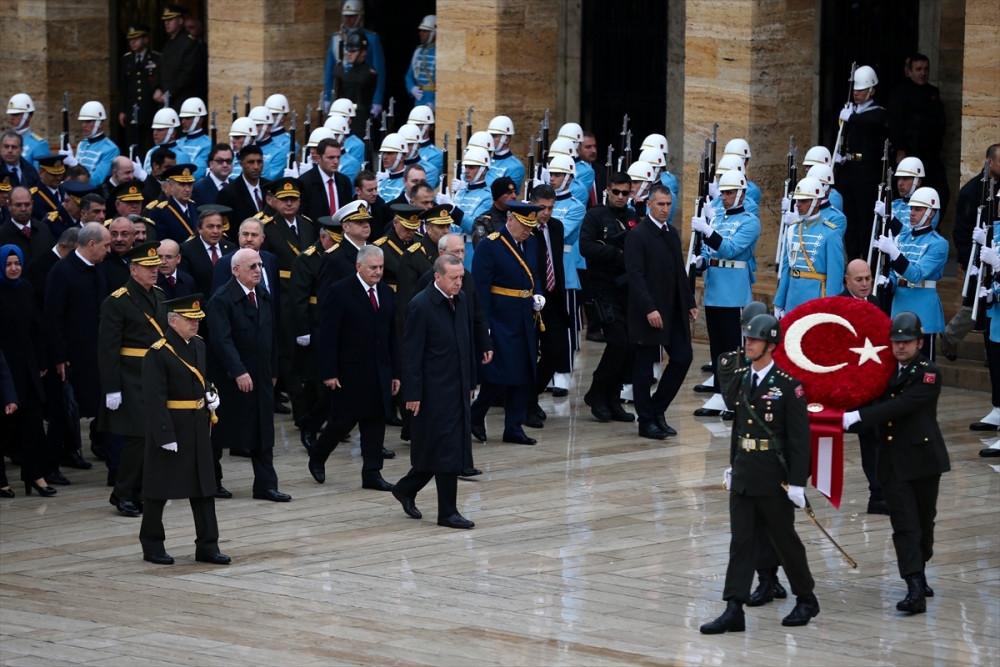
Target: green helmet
x=906 y=326
x=763 y=327
x=750 y=311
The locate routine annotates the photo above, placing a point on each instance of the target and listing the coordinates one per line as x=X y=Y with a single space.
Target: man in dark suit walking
x=325 y=190
x=251 y=235
x=660 y=303
x=439 y=376
x=174 y=282
x=30 y=236
x=245 y=194
x=243 y=365
x=360 y=363
x=220 y=166
x=200 y=254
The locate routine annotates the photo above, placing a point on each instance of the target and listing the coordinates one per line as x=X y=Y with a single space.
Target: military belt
x=811 y=275
x=928 y=284
x=133 y=352
x=428 y=88
x=186 y=405
x=516 y=293
x=313 y=301
x=284 y=274
x=761 y=445
x=729 y=264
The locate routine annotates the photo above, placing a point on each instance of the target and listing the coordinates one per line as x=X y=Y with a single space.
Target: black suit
x=28 y=175
x=657 y=282
x=197 y=262
x=183 y=285
x=481 y=327
x=40 y=241
x=338 y=262
x=554 y=345
x=37 y=273
x=206 y=192
x=315 y=199
x=116 y=270
x=236 y=196
x=360 y=351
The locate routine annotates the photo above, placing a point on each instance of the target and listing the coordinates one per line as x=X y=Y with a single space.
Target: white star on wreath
x=869 y=352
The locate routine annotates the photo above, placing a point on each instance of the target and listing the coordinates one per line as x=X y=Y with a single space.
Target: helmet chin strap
x=194 y=124
x=812 y=210
x=480 y=173
x=395 y=163
x=20 y=128
x=643 y=188
x=925 y=219
x=97 y=129
x=740 y=197
x=168 y=138
x=502 y=146
x=565 y=185
x=913 y=187
x=277 y=120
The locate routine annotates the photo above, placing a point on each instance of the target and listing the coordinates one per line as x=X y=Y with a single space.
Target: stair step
x=964 y=374
x=972 y=348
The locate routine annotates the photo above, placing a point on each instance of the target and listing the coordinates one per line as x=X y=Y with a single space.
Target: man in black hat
x=176 y=218
x=68 y=211
x=358 y=83
x=127 y=198
x=400 y=236
x=200 y=254
x=138 y=79
x=132 y=319
x=338 y=262
x=48 y=194
x=179 y=60
x=420 y=255
x=503 y=191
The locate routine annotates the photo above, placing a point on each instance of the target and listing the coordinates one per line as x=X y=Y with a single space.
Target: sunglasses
x=619 y=193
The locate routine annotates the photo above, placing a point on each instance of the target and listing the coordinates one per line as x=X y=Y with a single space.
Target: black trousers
x=859 y=208
x=929 y=349
x=912 y=509
x=58 y=439
x=372 y=438
x=868 y=443
x=264 y=475
x=649 y=407
x=447 y=487
x=616 y=361
x=724 y=334
x=993 y=359
x=774 y=516
x=24 y=438
x=114 y=447
x=206 y=528
x=128 y=483
x=320 y=410
x=304 y=400
x=515 y=409
x=553 y=343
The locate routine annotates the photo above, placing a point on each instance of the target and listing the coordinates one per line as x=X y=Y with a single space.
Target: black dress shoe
x=245 y=453
x=479 y=432
x=221 y=492
x=595 y=337
x=280 y=409
x=652 y=431
x=806 y=608
x=704 y=389
x=7 y=493
x=533 y=421
x=455 y=521
x=75 y=460
x=394 y=421
x=989 y=453
x=470 y=472
x=727 y=415
x=620 y=414
x=982 y=426
x=281 y=397
x=377 y=484
x=214 y=559
x=273 y=495
x=707 y=412
x=388 y=453
x=559 y=392
x=125 y=507
x=732 y=620
x=661 y=421
x=97 y=450
x=57 y=478
x=409 y=507
x=519 y=439
x=317 y=470
x=598 y=402
x=538 y=412
x=706 y=368
x=158 y=559
x=308 y=438
x=877 y=507
x=915 y=601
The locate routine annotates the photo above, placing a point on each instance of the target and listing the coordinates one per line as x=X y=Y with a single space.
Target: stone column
x=980 y=85
x=48 y=47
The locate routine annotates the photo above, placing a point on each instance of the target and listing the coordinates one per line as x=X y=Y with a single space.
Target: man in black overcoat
x=244 y=366
x=439 y=375
x=31 y=236
x=200 y=254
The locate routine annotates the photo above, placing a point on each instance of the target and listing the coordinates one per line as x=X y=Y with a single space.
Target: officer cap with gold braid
x=332 y=227
x=136 y=30
x=186 y=306
x=128 y=191
x=180 y=173
x=144 y=254
x=52 y=164
x=439 y=214
x=283 y=188
x=408 y=215
x=78 y=190
x=525 y=213
x=356 y=211
x=172 y=12
x=5 y=185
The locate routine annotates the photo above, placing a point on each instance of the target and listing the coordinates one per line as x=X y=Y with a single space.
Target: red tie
x=593 y=194
x=371 y=294
x=252 y=297
x=332 y=196
x=26 y=230
x=550 y=273
x=172 y=281
x=215 y=255
x=451 y=302
x=256 y=196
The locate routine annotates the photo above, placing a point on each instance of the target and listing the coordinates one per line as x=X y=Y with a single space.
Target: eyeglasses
x=167 y=257
x=619 y=193
x=219 y=160
x=258 y=265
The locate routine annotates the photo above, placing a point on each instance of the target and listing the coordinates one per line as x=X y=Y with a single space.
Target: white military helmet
x=277 y=104
x=808 y=188
x=738 y=147
x=337 y=124
x=429 y=23
x=412 y=135
x=166 y=118
x=564 y=146
x=192 y=107
x=911 y=166
x=865 y=78
x=822 y=173
x=732 y=180
x=562 y=164
x=421 y=115
x=241 y=127
x=20 y=103
x=571 y=131
x=261 y=116
x=352 y=8
x=653 y=156
x=343 y=106
x=476 y=156
x=92 y=111
x=641 y=171
x=926 y=197
x=501 y=125
x=730 y=163
x=817 y=155
x=393 y=143
x=482 y=140
x=657 y=141
x=318 y=135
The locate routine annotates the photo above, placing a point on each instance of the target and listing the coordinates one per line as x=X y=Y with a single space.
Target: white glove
x=292 y=172
x=213 y=400
x=786 y=204
x=545 y=176
x=68 y=159
x=303 y=340
x=839 y=159
x=880 y=208
x=137 y=170
x=797 y=495
x=851 y=418
x=881 y=280
x=789 y=218
x=381 y=176
x=888 y=246
x=727 y=479
x=113 y=401
x=305 y=166
x=779 y=312
x=539 y=302
x=989 y=255
x=697 y=262
x=442 y=198
x=536 y=182
x=417 y=92
x=979 y=235
x=713 y=188
x=986 y=293
x=845 y=114
x=701 y=225
x=973 y=270
x=376 y=109
x=170 y=446
x=708 y=211
x=457 y=185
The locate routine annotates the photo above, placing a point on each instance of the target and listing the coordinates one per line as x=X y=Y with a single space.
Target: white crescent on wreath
x=802 y=326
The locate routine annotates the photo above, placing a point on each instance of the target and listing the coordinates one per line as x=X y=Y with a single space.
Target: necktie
x=215 y=255
x=295 y=229
x=252 y=297
x=451 y=302
x=550 y=273
x=172 y=281
x=753 y=384
x=593 y=194
x=371 y=295
x=331 y=195
x=17 y=176
x=256 y=196
x=263 y=280
x=26 y=230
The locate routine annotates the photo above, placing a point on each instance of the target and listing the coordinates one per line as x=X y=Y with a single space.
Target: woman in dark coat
x=21 y=342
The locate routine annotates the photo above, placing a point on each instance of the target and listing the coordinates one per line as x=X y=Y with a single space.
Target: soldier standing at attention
x=96 y=152
x=770 y=468
x=421 y=75
x=353 y=17
x=356 y=79
x=138 y=78
x=179 y=59
x=20 y=109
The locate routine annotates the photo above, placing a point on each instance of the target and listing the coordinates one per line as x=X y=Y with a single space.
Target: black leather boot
x=806 y=607
x=915 y=601
x=928 y=591
x=596 y=398
x=765 y=589
x=779 y=591
x=732 y=620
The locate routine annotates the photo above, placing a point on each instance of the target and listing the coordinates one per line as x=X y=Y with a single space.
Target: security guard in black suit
x=769 y=453
x=138 y=78
x=399 y=237
x=911 y=455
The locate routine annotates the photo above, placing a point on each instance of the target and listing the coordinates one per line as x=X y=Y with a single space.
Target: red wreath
x=821 y=340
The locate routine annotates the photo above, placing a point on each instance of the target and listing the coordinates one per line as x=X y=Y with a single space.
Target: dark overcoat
x=656 y=281
x=304 y=296
x=40 y=241
x=22 y=341
x=196 y=262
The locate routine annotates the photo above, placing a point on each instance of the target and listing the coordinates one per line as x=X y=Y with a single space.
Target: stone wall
x=980 y=84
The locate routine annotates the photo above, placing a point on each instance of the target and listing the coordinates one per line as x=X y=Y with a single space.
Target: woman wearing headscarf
x=21 y=341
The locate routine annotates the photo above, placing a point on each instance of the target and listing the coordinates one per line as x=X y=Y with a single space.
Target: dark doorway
x=623 y=70
x=877 y=33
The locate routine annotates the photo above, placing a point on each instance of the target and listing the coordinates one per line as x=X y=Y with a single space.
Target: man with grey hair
x=251 y=235
x=360 y=364
x=122 y=169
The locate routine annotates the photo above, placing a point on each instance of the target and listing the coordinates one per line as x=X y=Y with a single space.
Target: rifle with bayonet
x=368 y=144
x=292 y=150
x=712 y=147
x=64 y=138
x=695 y=240
x=980 y=224
x=213 y=130
x=791 y=179
x=166 y=100
x=133 y=132
x=468 y=126
x=246 y=103
x=529 y=182
x=444 y=164
x=880 y=225
x=847 y=105
x=607 y=172
x=458 y=150
x=383 y=132
x=319 y=109
x=391 y=116
x=985 y=277
x=624 y=134
x=544 y=150
x=236 y=101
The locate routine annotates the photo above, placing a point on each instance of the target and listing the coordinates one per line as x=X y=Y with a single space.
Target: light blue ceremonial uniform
x=734 y=240
x=834 y=215
x=147 y=162
x=836 y=199
x=237 y=168
x=570 y=212
x=33 y=147
x=431 y=157
x=375 y=58
x=391 y=187
x=752 y=207
x=901 y=211
x=282 y=140
x=820 y=242
x=508 y=165
x=474 y=200
x=670 y=182
x=994 y=310
x=355 y=146
x=925 y=252
x=584 y=176
x=275 y=159
x=349 y=166
x=422 y=73
x=96 y=155
x=579 y=192
x=194 y=150
x=753 y=193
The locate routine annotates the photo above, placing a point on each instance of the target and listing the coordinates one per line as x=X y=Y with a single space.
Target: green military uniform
x=394 y=247
x=132 y=319
x=415 y=262
x=304 y=303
